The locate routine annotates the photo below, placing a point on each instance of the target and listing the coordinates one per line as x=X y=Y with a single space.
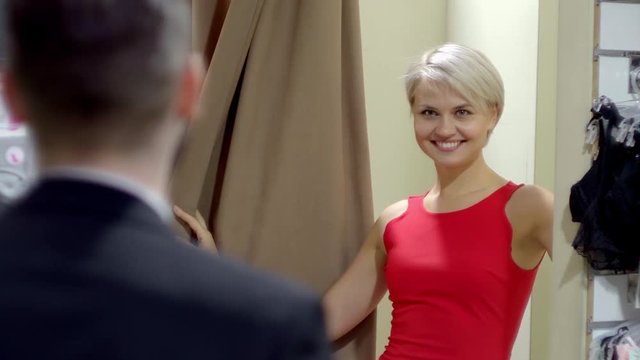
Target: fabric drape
x=278 y=160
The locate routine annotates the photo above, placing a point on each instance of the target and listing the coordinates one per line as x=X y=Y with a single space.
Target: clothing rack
x=597 y=52
x=620 y=122
x=611 y=295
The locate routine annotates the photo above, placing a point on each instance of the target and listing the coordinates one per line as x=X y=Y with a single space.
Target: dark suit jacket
x=89 y=272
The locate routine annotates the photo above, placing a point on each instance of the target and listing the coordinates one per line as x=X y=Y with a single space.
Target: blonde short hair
x=465 y=70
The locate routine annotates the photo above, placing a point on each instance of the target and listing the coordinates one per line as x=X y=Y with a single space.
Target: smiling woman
x=463 y=256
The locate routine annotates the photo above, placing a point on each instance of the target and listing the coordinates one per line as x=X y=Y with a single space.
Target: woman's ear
x=494 y=118
x=190 y=87
x=493 y=115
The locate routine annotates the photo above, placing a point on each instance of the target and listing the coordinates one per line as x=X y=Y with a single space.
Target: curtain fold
x=200 y=156
x=279 y=159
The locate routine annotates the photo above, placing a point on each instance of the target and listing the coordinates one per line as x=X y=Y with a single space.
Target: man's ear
x=190 y=87
x=12 y=98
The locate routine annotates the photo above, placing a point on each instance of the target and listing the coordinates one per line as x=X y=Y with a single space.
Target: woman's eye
x=463 y=113
x=429 y=113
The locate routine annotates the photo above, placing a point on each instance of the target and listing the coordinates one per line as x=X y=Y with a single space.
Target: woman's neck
x=459 y=181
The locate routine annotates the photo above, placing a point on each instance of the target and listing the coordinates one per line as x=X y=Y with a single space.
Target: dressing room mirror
x=519 y=38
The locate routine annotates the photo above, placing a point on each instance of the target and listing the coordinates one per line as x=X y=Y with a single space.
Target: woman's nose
x=446 y=127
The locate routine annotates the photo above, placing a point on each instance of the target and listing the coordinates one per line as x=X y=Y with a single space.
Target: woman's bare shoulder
x=389 y=213
x=530 y=211
x=532 y=199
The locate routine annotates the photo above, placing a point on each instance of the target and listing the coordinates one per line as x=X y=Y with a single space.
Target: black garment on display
x=606 y=201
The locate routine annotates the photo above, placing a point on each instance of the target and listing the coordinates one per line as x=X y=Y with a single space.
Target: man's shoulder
x=225 y=278
x=223 y=288
x=280 y=316
x=197 y=295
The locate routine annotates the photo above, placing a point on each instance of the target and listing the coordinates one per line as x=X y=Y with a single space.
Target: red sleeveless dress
x=456 y=292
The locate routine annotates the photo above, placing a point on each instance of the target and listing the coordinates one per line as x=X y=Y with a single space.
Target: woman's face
x=448 y=128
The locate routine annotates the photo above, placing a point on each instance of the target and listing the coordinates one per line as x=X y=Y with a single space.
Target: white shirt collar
x=154 y=200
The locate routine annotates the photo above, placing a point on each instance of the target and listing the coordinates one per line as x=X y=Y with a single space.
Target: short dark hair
x=97 y=64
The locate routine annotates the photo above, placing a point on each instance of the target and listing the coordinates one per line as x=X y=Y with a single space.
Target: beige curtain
x=279 y=159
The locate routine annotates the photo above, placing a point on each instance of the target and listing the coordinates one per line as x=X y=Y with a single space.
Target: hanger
x=626 y=115
x=633 y=106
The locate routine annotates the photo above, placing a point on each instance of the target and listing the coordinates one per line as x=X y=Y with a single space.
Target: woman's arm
x=544 y=220
x=360 y=288
x=530 y=212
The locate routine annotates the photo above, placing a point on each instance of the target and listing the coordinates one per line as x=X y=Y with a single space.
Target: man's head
x=99 y=74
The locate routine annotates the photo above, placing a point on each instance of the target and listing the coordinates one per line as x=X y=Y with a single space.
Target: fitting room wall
x=574 y=92
x=544 y=174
